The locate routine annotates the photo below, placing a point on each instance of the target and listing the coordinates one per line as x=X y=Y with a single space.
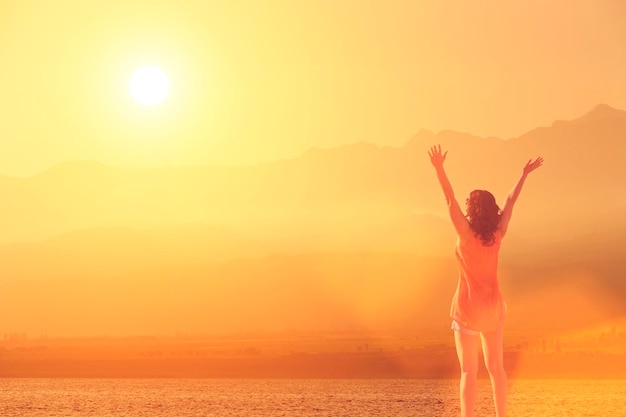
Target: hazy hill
x=346 y=190
x=307 y=292
x=350 y=236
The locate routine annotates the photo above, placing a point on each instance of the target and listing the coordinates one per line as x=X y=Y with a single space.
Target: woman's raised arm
x=458 y=219
x=511 y=198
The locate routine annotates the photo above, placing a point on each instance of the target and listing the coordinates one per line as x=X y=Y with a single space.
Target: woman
x=478 y=308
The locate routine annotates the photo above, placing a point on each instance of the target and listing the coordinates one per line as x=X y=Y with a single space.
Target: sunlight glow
x=149 y=85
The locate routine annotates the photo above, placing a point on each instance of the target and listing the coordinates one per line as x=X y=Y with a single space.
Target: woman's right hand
x=532 y=165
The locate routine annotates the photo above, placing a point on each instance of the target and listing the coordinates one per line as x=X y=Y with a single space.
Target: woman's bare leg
x=492 y=350
x=467 y=351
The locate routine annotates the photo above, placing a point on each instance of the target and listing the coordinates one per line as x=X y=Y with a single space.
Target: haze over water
x=299 y=398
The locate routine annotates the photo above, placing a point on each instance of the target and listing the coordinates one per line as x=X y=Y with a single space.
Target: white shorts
x=463 y=330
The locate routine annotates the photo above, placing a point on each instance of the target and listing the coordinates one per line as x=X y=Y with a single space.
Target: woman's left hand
x=436 y=157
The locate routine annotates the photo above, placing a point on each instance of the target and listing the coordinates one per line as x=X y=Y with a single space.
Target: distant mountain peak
x=603 y=111
x=598 y=113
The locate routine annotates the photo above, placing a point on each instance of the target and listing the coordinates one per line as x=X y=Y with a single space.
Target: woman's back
x=477 y=303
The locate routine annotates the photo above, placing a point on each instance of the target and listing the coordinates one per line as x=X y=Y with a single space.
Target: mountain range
x=82 y=229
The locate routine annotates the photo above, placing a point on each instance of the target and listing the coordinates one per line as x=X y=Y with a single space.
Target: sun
x=149 y=85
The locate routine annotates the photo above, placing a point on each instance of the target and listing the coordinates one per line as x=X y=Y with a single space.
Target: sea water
x=301 y=398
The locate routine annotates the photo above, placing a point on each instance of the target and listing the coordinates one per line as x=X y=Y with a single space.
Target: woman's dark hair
x=483 y=214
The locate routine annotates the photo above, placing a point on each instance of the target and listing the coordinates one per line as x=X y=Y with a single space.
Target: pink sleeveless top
x=477 y=303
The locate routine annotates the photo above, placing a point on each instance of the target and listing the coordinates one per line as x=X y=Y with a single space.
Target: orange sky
x=181 y=249
x=257 y=81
